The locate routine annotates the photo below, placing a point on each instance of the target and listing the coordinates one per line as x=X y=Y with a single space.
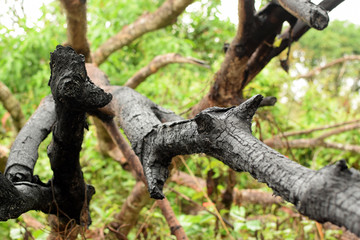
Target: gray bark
x=329 y=194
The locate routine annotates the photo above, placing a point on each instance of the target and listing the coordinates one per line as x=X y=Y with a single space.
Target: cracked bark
x=66 y=195
x=74 y=94
x=329 y=194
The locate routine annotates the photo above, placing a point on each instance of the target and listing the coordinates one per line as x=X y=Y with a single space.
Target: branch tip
x=247 y=109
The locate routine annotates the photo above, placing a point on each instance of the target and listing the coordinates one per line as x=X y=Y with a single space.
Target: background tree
x=146 y=48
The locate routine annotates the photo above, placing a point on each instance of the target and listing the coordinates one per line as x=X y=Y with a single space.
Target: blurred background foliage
x=200 y=32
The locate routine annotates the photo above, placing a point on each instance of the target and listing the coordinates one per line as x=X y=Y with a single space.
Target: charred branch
x=225 y=133
x=159 y=62
x=313 y=15
x=165 y=15
x=66 y=194
x=234 y=74
x=74 y=94
x=20 y=190
x=24 y=151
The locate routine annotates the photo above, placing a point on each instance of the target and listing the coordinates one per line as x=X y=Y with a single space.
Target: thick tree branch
x=249 y=54
x=313 y=15
x=159 y=62
x=317 y=70
x=226 y=135
x=165 y=15
x=77 y=26
x=74 y=94
x=12 y=105
x=21 y=191
x=234 y=74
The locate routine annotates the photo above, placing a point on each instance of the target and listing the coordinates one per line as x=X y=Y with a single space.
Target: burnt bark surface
x=66 y=194
x=329 y=194
x=74 y=94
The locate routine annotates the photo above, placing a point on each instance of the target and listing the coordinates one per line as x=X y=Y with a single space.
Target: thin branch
x=4 y=153
x=339 y=130
x=130 y=210
x=344 y=147
x=159 y=62
x=77 y=26
x=134 y=162
x=317 y=70
x=165 y=15
x=201 y=207
x=308 y=131
x=240 y=196
x=12 y=105
x=277 y=142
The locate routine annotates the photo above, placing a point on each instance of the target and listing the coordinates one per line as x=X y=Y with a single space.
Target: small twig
x=208 y=199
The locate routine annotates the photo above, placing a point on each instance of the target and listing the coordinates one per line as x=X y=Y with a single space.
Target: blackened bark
x=74 y=94
x=330 y=194
x=20 y=191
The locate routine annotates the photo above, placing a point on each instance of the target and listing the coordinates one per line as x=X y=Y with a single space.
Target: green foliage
x=198 y=33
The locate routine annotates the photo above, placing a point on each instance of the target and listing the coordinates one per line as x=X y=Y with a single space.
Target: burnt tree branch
x=74 y=94
x=329 y=194
x=313 y=15
x=66 y=194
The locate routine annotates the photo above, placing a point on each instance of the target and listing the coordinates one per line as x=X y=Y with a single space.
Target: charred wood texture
x=66 y=195
x=20 y=190
x=74 y=94
x=329 y=194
